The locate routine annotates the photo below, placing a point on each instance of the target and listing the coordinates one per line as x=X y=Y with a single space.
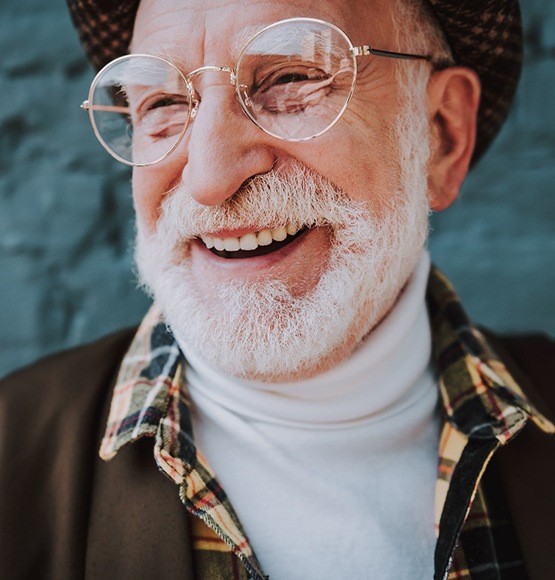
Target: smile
x=252 y=244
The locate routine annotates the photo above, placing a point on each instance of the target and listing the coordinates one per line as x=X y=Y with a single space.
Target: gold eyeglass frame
x=194 y=100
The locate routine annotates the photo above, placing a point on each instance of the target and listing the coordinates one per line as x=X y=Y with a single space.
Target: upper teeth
x=250 y=241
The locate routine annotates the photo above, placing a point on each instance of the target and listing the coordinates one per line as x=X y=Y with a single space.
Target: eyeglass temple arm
x=367 y=50
x=86 y=106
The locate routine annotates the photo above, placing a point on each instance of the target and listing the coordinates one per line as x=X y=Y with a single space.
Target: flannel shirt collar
x=481 y=401
x=480 y=397
x=483 y=408
x=150 y=400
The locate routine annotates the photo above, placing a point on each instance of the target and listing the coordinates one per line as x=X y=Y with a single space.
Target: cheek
x=150 y=185
x=370 y=146
x=359 y=158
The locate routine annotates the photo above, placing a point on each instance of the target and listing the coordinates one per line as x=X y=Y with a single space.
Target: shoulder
x=54 y=395
x=527 y=464
x=530 y=358
x=51 y=419
x=66 y=372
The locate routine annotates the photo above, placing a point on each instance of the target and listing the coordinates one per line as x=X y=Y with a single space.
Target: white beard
x=259 y=329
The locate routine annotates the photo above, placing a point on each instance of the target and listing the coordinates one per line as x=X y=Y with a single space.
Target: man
x=296 y=387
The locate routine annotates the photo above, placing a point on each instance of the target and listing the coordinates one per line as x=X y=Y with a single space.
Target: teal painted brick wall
x=66 y=214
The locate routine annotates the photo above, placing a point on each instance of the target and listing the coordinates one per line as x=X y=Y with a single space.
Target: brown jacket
x=66 y=515
x=62 y=516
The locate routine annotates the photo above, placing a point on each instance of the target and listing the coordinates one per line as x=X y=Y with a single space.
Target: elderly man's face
x=345 y=185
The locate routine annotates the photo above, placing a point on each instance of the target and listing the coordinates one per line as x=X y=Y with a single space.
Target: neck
x=357 y=444
x=373 y=381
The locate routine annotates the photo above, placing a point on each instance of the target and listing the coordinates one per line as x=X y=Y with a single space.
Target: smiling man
x=309 y=386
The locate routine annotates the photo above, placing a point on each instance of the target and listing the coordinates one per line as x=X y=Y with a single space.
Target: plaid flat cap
x=484 y=35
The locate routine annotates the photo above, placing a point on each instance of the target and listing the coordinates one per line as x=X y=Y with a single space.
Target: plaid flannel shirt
x=483 y=408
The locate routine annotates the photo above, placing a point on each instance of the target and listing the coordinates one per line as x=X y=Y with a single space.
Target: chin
x=258 y=329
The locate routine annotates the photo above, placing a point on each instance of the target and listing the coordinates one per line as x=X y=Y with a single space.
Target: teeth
x=264 y=237
x=208 y=241
x=250 y=241
x=279 y=234
x=292 y=230
x=231 y=244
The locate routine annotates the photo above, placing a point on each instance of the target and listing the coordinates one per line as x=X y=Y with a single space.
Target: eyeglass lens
x=140 y=107
x=293 y=79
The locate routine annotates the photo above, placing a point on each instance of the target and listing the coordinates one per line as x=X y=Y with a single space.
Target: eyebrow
x=243 y=37
x=171 y=53
x=174 y=54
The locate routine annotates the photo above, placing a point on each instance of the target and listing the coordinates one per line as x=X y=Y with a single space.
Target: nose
x=224 y=147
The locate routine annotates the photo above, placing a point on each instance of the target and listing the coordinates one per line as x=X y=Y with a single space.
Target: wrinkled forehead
x=220 y=28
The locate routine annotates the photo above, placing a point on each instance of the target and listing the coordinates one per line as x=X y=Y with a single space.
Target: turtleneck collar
x=373 y=383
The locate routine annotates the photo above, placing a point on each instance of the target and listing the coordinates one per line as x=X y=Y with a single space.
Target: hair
x=422 y=32
x=417 y=31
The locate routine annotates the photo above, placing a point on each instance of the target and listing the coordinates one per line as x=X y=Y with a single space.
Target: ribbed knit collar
x=376 y=381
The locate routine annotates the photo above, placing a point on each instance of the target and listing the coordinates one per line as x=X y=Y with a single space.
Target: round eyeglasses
x=293 y=79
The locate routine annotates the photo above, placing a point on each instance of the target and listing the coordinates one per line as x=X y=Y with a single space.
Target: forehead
x=218 y=29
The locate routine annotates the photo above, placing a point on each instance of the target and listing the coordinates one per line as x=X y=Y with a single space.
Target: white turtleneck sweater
x=333 y=477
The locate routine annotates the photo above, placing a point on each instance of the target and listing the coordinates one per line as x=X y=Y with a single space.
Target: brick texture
x=66 y=223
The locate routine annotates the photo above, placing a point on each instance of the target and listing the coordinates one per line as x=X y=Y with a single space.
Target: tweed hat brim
x=484 y=35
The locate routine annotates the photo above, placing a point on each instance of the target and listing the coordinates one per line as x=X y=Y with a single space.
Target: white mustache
x=296 y=196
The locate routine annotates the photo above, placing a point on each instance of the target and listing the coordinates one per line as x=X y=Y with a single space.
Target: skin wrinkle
x=242 y=202
x=336 y=283
x=234 y=47
x=352 y=113
x=320 y=311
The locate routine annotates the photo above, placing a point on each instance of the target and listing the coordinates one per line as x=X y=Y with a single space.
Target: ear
x=453 y=100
